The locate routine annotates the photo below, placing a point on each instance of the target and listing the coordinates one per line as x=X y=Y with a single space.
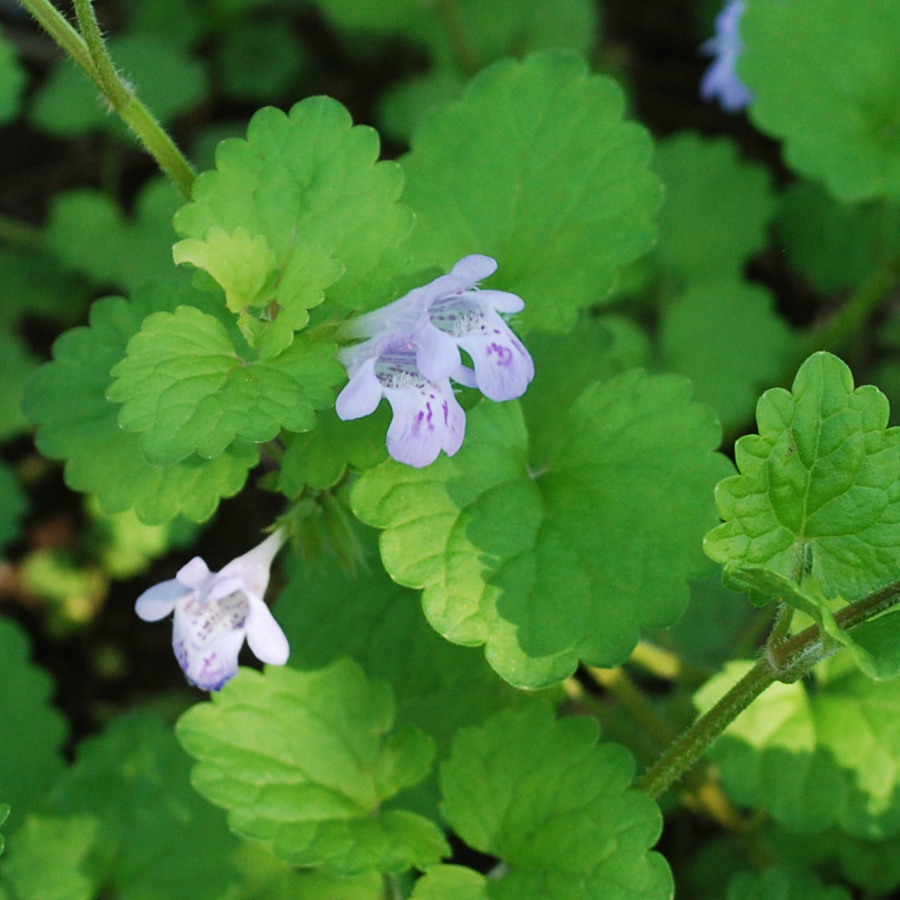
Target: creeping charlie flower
x=721 y=79
x=215 y=611
x=413 y=350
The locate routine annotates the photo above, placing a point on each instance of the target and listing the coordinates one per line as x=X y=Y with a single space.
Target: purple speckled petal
x=503 y=367
x=425 y=422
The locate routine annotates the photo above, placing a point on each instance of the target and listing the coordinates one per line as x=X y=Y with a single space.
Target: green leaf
x=67 y=399
x=783 y=883
x=836 y=63
x=185 y=388
x=35 y=285
x=815 y=756
x=260 y=60
x=270 y=309
x=817 y=494
x=833 y=245
x=451 y=883
x=556 y=807
x=726 y=336
x=33 y=731
x=88 y=231
x=716 y=210
x=167 y=80
x=319 y=458
x=305 y=759
x=535 y=167
x=308 y=179
x=554 y=557
x=438 y=686
x=12 y=80
x=124 y=821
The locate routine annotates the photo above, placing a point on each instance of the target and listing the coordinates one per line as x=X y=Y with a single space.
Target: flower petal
x=425 y=422
x=503 y=367
x=253 y=567
x=471 y=269
x=158 y=601
x=501 y=301
x=437 y=354
x=207 y=636
x=264 y=635
x=193 y=573
x=362 y=393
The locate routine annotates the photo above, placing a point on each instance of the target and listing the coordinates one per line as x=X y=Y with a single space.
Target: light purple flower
x=413 y=349
x=215 y=611
x=427 y=416
x=721 y=79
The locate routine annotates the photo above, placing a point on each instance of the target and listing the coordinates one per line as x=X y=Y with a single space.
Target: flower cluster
x=215 y=611
x=721 y=79
x=412 y=350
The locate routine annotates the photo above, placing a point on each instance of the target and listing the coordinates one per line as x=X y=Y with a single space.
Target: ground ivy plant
x=541 y=611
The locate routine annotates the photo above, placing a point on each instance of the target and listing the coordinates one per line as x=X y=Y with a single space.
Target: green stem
x=852 y=316
x=89 y=52
x=62 y=32
x=800 y=653
x=693 y=743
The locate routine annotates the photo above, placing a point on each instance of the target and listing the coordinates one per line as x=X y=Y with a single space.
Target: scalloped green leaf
x=125 y=822
x=825 y=77
x=185 y=388
x=167 y=80
x=535 y=167
x=304 y=760
x=815 y=756
x=726 y=336
x=67 y=399
x=4 y=814
x=782 y=882
x=270 y=308
x=717 y=206
x=817 y=495
x=365 y=615
x=556 y=807
x=308 y=178
x=451 y=883
x=12 y=80
x=88 y=231
x=33 y=731
x=558 y=554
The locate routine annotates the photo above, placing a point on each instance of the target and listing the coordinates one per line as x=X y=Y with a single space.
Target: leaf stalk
x=88 y=50
x=796 y=657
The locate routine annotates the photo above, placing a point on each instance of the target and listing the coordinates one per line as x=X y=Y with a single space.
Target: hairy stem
x=89 y=51
x=800 y=653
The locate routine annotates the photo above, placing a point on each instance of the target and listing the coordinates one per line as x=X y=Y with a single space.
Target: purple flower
x=721 y=79
x=413 y=349
x=215 y=611
x=427 y=416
